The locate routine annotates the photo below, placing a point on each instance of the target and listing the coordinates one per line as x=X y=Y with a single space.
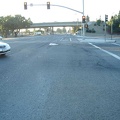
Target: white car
x=4 y=47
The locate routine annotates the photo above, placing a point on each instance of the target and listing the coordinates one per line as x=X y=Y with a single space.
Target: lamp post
x=83 y=23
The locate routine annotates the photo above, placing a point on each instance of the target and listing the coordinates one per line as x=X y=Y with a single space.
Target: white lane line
x=116 y=44
x=70 y=39
x=114 y=55
x=61 y=39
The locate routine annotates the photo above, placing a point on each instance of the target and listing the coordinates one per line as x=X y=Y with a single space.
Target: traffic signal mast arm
x=54 y=5
x=68 y=8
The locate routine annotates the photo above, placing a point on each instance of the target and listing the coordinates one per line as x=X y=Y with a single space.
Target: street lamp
x=83 y=23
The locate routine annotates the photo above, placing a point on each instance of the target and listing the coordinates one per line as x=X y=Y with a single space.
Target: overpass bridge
x=55 y=24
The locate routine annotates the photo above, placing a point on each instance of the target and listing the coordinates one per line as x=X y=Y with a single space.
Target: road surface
x=60 y=77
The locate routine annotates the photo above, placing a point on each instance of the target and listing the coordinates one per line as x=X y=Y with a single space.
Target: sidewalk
x=94 y=37
x=97 y=39
x=19 y=37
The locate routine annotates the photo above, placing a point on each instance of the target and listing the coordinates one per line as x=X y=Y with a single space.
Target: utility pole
x=106 y=19
x=83 y=23
x=111 y=26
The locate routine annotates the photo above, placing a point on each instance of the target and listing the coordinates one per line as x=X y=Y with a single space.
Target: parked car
x=4 y=47
x=37 y=33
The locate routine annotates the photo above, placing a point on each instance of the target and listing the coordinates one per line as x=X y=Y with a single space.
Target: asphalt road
x=58 y=77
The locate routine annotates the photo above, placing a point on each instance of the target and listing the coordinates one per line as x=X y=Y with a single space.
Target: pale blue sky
x=92 y=8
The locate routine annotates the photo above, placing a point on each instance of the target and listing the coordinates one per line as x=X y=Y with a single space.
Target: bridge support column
x=52 y=30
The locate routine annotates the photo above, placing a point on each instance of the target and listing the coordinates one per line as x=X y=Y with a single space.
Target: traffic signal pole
x=48 y=7
x=54 y=5
x=106 y=19
x=105 y=32
x=83 y=23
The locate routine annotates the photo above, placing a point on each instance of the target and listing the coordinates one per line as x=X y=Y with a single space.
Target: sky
x=95 y=9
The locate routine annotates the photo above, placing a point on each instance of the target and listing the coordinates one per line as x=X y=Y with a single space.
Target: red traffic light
x=83 y=19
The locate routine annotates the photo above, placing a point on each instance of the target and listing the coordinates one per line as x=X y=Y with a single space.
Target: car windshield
x=60 y=60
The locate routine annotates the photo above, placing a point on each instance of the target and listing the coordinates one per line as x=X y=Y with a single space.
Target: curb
x=97 y=40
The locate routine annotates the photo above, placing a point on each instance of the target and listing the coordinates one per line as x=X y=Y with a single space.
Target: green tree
x=59 y=30
x=64 y=30
x=76 y=28
x=115 y=22
x=3 y=25
x=13 y=24
x=99 y=22
x=19 y=22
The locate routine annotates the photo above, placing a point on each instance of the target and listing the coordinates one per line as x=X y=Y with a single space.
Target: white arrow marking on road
x=116 y=44
x=53 y=44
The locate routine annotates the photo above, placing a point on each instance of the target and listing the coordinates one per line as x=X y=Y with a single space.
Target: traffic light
x=83 y=19
x=48 y=5
x=86 y=26
x=25 y=5
x=106 y=18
